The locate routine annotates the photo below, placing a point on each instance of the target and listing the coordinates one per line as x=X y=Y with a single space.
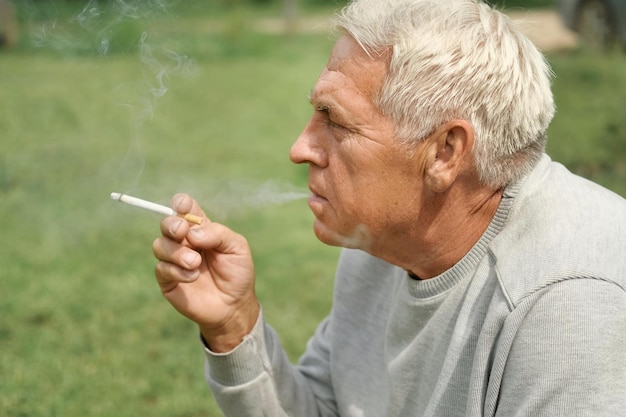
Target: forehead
x=351 y=70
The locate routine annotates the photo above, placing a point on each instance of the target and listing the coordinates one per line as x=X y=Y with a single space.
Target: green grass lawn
x=84 y=329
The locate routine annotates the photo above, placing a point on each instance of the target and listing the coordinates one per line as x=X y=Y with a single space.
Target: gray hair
x=459 y=59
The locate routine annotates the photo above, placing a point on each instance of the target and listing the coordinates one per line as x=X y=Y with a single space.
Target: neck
x=446 y=231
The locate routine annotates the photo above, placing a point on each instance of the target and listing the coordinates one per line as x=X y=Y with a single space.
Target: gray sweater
x=531 y=322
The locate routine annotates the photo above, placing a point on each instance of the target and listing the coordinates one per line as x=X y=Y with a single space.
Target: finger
x=215 y=236
x=174 y=228
x=183 y=203
x=169 y=275
x=170 y=251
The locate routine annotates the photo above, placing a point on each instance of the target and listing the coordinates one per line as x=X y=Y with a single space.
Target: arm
x=568 y=357
x=206 y=273
x=257 y=378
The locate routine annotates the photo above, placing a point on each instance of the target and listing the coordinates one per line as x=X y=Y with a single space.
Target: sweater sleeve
x=568 y=356
x=257 y=379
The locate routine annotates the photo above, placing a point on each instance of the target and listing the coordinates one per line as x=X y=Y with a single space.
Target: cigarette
x=154 y=207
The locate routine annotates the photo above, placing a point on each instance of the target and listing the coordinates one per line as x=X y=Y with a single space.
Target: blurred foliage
x=588 y=133
x=524 y=4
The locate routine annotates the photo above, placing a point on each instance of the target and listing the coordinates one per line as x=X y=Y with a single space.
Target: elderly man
x=479 y=277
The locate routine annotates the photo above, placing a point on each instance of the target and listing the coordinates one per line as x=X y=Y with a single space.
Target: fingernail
x=175 y=225
x=197 y=232
x=177 y=201
x=190 y=275
x=189 y=258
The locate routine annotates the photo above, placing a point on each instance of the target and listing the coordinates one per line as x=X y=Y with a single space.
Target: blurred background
x=153 y=97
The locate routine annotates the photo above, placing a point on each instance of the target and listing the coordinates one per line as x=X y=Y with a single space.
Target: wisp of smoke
x=237 y=197
x=158 y=65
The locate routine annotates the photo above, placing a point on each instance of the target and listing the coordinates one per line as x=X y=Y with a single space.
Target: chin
x=358 y=238
x=324 y=235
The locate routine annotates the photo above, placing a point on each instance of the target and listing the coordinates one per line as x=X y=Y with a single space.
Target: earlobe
x=451 y=146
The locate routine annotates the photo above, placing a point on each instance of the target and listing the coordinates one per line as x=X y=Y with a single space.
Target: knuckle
x=165 y=272
x=156 y=246
x=159 y=270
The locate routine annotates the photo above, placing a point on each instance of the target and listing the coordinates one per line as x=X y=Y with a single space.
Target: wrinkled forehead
x=350 y=68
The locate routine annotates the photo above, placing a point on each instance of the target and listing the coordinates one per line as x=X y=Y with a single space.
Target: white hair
x=459 y=59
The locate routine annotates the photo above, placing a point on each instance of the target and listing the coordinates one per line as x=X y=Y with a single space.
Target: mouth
x=316 y=201
x=315 y=192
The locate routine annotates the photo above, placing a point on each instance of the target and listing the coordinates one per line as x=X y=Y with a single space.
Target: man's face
x=366 y=186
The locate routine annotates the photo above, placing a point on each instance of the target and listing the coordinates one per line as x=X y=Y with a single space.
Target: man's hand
x=206 y=272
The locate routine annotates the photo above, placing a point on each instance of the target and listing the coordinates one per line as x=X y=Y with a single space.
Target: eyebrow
x=318 y=106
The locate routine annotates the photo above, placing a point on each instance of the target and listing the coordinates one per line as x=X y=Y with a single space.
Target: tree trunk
x=8 y=24
x=291 y=16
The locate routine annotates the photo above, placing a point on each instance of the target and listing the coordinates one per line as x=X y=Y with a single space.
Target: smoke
x=236 y=197
x=141 y=97
x=116 y=18
x=124 y=27
x=228 y=198
x=159 y=64
x=112 y=27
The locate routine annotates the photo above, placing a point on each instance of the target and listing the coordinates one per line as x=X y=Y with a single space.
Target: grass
x=85 y=331
x=589 y=131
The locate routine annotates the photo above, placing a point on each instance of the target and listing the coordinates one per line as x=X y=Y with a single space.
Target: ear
x=451 y=146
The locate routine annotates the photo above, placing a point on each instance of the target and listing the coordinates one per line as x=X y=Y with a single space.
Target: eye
x=333 y=124
x=326 y=114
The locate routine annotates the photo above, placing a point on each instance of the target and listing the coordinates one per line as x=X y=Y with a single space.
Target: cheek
x=369 y=185
x=348 y=195
x=389 y=202
x=350 y=175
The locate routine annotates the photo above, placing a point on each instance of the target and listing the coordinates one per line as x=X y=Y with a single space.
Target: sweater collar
x=468 y=264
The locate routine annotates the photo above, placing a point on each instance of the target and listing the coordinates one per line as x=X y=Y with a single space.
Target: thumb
x=217 y=237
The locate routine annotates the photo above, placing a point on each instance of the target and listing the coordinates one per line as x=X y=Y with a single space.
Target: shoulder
x=560 y=226
x=563 y=346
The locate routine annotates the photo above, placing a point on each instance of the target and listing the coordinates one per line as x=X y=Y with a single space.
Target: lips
x=315 y=192
x=316 y=201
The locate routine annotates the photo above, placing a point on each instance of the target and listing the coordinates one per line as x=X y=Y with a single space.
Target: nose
x=307 y=148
